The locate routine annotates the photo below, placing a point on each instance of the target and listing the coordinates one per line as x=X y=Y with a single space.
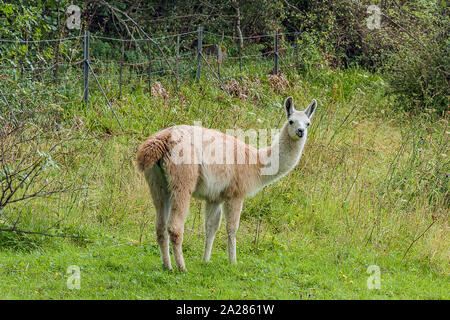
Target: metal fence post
x=176 y=62
x=86 y=67
x=58 y=44
x=121 y=69
x=56 y=71
x=275 y=53
x=240 y=55
x=149 y=67
x=219 y=60
x=199 y=52
x=296 y=51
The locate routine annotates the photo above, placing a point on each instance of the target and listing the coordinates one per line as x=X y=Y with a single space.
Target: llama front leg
x=213 y=215
x=232 y=210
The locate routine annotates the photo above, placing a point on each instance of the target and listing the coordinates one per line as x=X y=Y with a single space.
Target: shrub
x=419 y=77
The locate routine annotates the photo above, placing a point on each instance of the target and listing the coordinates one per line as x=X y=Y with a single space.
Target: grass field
x=371 y=189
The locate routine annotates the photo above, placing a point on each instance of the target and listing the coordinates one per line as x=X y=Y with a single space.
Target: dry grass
x=159 y=91
x=236 y=89
x=279 y=83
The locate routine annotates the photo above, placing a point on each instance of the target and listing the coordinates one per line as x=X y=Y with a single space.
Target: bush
x=419 y=77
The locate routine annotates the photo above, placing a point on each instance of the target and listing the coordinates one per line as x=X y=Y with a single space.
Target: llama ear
x=289 y=105
x=311 y=108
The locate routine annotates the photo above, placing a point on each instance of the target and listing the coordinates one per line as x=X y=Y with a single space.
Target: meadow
x=371 y=189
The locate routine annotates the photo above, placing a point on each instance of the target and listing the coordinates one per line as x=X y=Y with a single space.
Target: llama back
x=226 y=163
x=229 y=165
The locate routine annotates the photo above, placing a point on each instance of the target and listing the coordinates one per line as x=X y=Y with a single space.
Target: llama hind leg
x=213 y=215
x=161 y=201
x=182 y=181
x=162 y=234
x=232 y=210
x=178 y=213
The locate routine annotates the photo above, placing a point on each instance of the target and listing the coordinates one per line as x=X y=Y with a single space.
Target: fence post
x=121 y=69
x=176 y=62
x=240 y=55
x=296 y=51
x=149 y=67
x=55 y=73
x=58 y=44
x=219 y=60
x=199 y=52
x=86 y=67
x=275 y=53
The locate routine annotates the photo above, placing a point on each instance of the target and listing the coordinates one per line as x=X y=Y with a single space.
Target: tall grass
x=372 y=183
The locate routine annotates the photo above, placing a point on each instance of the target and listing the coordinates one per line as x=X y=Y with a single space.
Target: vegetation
x=374 y=173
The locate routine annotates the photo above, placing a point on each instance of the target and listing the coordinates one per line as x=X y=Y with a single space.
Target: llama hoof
x=182 y=269
x=168 y=268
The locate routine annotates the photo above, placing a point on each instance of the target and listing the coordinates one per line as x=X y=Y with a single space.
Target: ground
x=371 y=181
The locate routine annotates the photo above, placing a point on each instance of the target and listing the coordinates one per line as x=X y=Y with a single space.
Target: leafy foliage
x=411 y=46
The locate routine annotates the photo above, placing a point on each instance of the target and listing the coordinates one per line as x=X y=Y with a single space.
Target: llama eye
x=291 y=122
x=307 y=125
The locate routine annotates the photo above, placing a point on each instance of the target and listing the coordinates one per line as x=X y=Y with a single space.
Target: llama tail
x=152 y=150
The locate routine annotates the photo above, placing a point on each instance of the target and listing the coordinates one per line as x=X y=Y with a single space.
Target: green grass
x=366 y=188
x=121 y=270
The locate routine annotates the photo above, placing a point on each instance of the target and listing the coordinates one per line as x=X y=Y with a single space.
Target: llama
x=183 y=161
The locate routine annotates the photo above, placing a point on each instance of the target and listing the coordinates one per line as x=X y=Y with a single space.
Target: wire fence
x=68 y=69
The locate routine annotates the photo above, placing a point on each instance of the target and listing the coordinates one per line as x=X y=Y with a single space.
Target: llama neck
x=285 y=154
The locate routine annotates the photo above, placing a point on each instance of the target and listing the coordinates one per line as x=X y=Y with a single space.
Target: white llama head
x=298 y=121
